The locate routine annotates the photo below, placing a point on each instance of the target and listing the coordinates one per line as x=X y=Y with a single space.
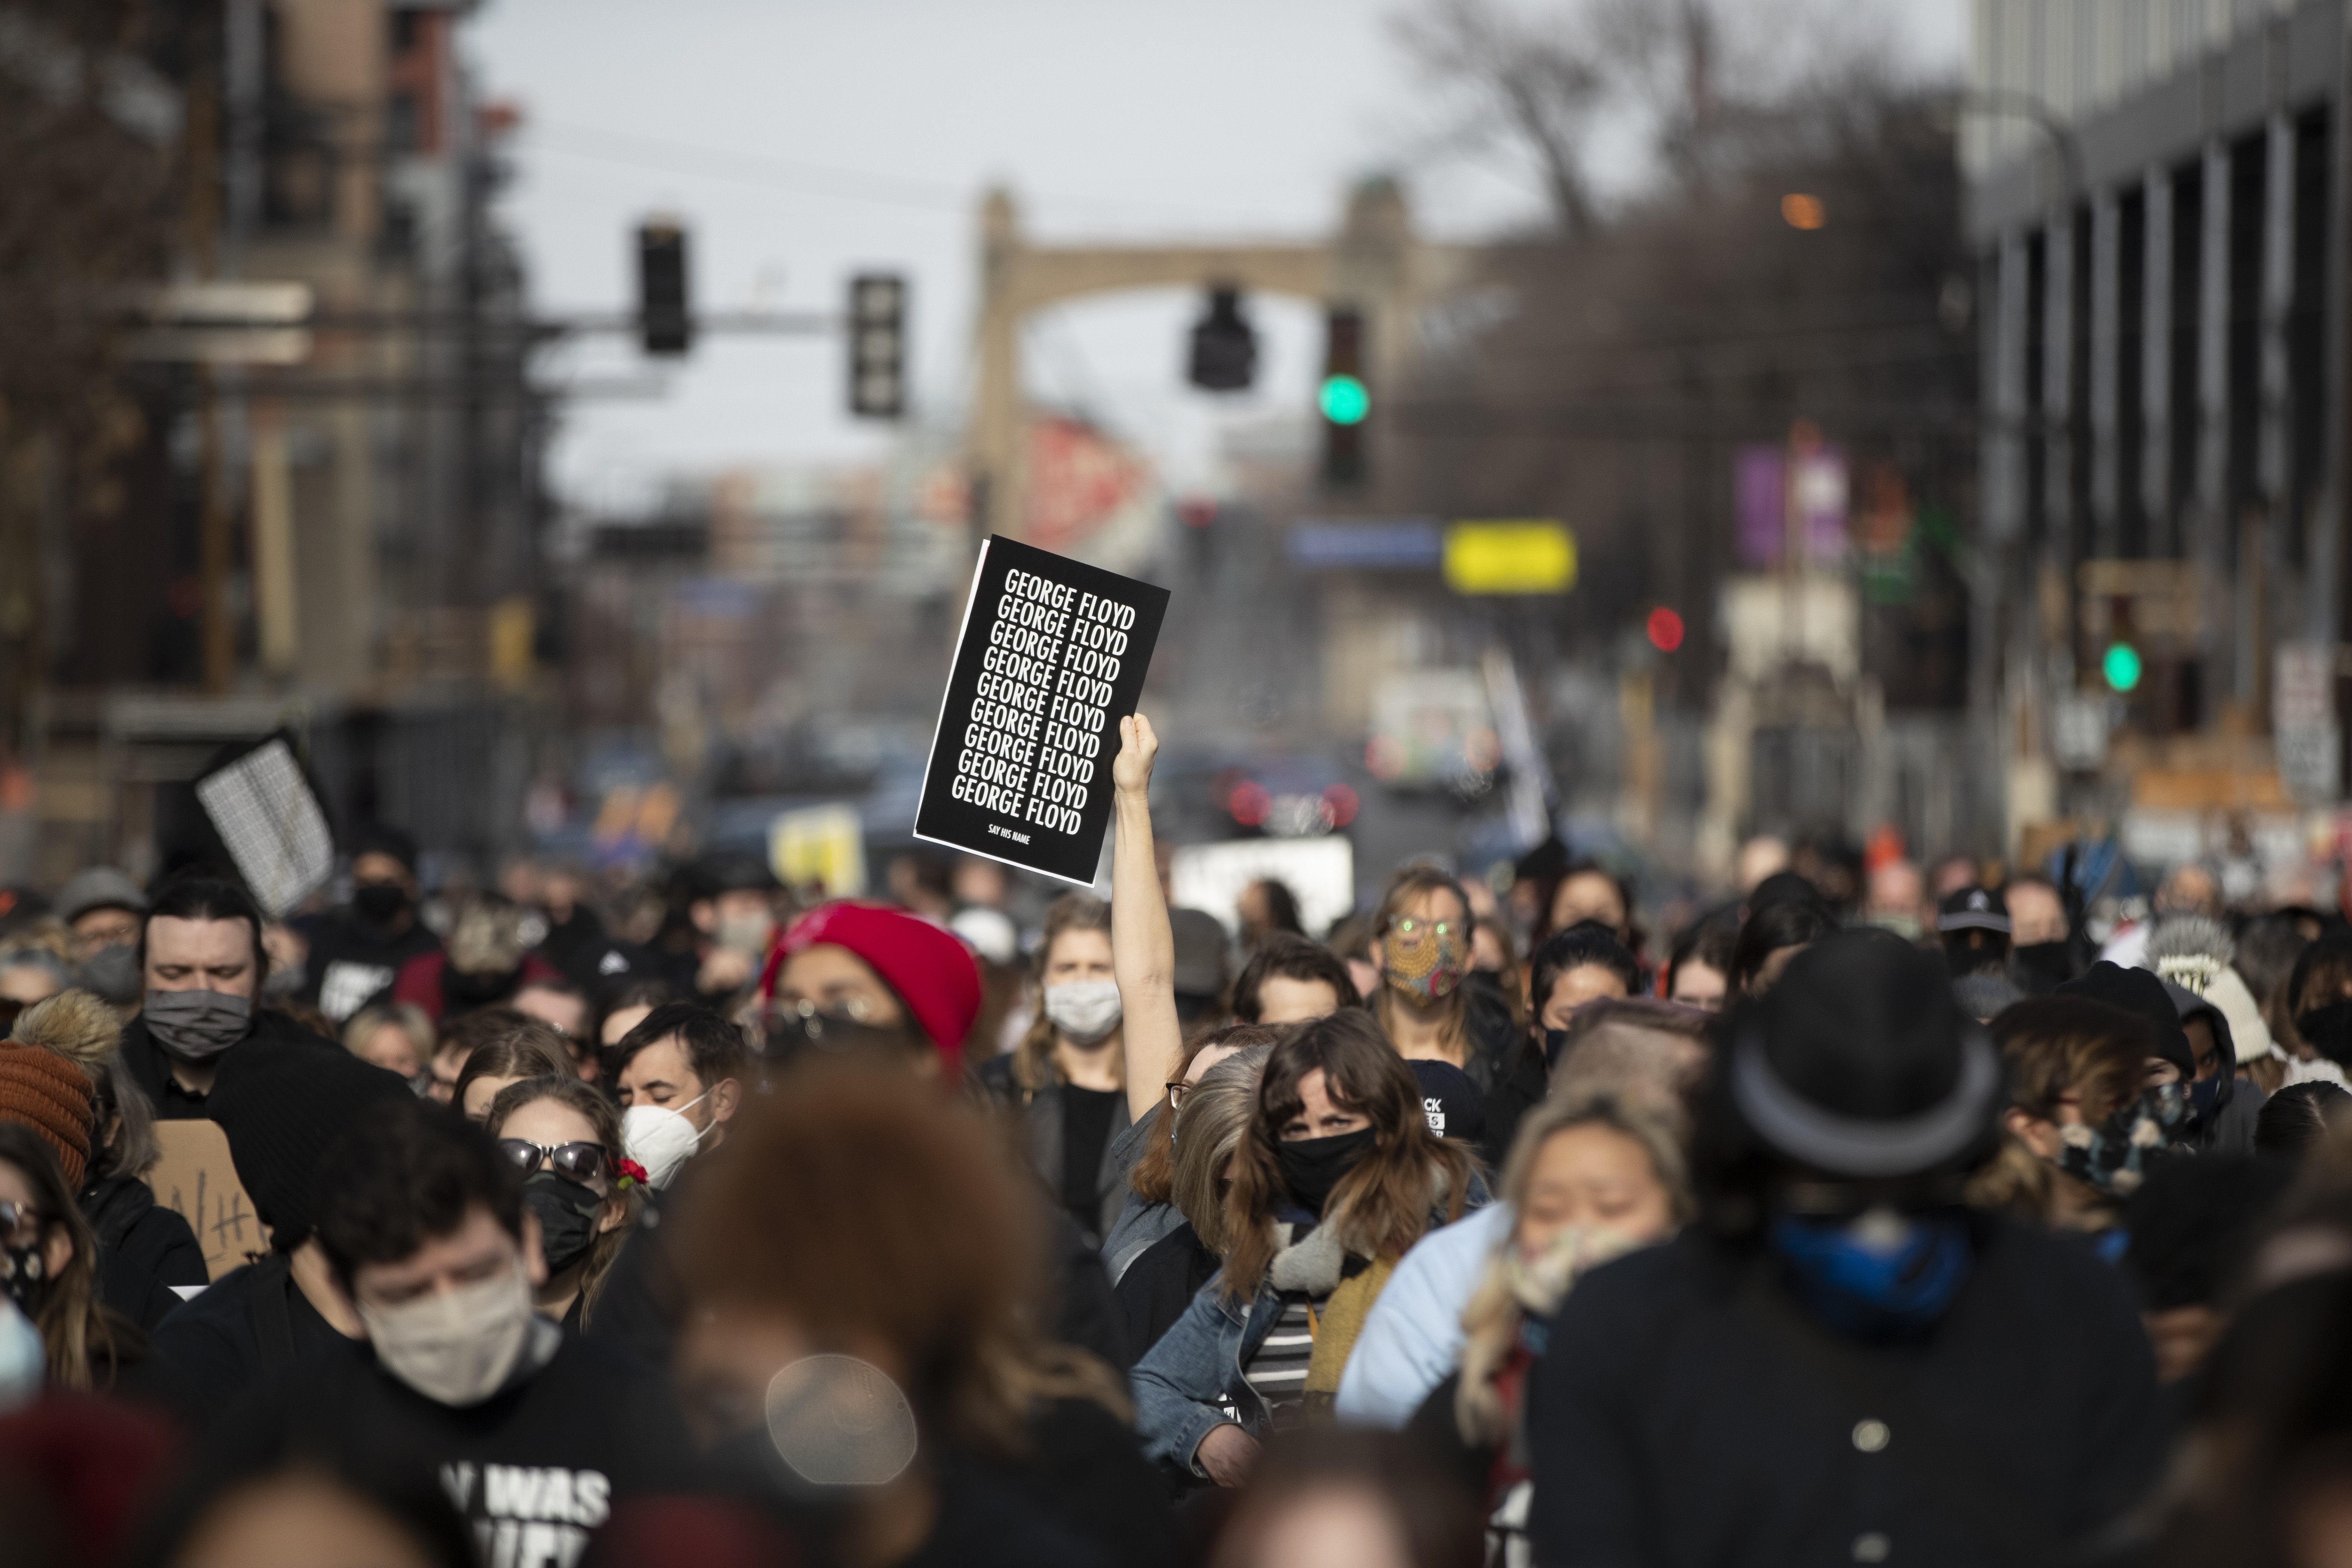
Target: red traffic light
x=1665 y=629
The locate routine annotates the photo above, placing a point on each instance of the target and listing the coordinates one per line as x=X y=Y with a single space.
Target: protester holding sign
x=1066 y=1077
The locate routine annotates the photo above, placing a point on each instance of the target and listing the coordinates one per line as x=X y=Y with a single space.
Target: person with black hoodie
x=203 y=965
x=1841 y=1361
x=357 y=950
x=534 y=1433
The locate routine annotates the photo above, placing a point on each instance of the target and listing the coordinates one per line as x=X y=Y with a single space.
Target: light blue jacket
x=1412 y=1336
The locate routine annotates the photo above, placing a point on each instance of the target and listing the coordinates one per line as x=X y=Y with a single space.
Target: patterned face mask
x=1426 y=959
x=2110 y=1155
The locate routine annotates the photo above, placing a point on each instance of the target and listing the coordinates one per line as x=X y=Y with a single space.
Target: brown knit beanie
x=52 y=1096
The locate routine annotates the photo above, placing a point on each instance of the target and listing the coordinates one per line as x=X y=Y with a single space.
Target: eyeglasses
x=855 y=1008
x=1175 y=1087
x=1411 y=929
x=20 y=1224
x=579 y=1162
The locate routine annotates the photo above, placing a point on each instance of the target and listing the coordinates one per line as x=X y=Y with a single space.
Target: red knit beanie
x=931 y=971
x=52 y=1096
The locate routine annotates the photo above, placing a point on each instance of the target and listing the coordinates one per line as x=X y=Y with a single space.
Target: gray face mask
x=112 y=973
x=197 y=1026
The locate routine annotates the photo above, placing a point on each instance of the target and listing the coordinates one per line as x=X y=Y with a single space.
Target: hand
x=1228 y=1454
x=1132 y=769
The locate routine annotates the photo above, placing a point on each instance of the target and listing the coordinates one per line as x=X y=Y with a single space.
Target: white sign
x=2308 y=756
x=2303 y=695
x=1319 y=872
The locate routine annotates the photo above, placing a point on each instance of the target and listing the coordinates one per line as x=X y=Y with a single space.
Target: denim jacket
x=1181 y=1384
x=1184 y=1383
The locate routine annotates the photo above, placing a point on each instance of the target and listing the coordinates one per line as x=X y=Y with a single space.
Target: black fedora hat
x=1859 y=1063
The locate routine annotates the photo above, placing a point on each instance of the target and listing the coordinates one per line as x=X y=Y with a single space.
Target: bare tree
x=1534 y=85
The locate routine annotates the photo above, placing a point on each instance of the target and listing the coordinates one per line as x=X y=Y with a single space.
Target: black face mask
x=1555 y=1045
x=380 y=903
x=25 y=1276
x=2329 y=1030
x=2041 y=967
x=1313 y=1166
x=567 y=1217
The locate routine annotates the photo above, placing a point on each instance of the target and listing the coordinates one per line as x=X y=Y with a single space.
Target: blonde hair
x=406 y=1017
x=1033 y=1068
x=1490 y=1323
x=1209 y=1128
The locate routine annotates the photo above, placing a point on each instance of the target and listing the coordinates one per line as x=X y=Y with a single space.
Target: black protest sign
x=1050 y=657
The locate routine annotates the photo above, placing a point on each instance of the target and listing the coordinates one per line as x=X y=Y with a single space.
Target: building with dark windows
x=2154 y=191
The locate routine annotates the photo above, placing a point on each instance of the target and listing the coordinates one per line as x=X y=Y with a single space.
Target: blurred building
x=770 y=633
x=343 y=539
x=2156 y=197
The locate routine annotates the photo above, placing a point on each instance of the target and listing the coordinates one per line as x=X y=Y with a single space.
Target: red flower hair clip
x=627 y=1173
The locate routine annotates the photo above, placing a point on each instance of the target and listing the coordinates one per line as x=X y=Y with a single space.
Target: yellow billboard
x=1529 y=556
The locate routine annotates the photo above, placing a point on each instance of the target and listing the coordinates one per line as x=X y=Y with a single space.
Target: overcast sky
x=803 y=140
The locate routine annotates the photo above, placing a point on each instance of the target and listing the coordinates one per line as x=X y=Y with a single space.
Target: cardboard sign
x=197 y=1179
x=1050 y=657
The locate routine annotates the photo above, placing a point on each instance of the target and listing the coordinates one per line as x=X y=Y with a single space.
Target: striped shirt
x=1279 y=1371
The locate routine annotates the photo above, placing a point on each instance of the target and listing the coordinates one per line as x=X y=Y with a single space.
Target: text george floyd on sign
x=1050 y=657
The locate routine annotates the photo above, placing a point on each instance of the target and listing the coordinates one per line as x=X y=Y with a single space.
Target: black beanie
x=281 y=1103
x=2136 y=991
x=1858 y=1063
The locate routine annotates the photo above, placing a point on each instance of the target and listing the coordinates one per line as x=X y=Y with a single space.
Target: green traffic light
x=2121 y=666
x=1344 y=400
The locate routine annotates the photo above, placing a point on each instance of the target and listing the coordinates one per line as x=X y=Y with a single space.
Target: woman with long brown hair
x=1165 y=1277
x=565 y=1139
x=49 y=1265
x=1337 y=1175
x=1087 y=1075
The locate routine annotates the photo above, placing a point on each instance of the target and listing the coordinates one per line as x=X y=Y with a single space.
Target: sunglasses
x=20 y=1224
x=579 y=1162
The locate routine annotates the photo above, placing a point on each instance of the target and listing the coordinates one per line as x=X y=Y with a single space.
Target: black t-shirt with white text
x=535 y=1468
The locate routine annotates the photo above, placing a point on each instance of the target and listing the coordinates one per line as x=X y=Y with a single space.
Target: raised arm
x=1142 y=947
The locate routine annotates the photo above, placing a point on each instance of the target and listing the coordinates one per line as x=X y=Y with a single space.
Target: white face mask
x=660 y=1139
x=455 y=1347
x=1085 y=1010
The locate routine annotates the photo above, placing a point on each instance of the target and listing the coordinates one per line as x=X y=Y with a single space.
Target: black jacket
x=150 y=1066
x=122 y=1210
x=1679 y=1419
x=1041 y=1120
x=1159 y=1285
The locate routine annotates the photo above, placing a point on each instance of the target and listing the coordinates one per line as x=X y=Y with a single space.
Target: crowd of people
x=1863 y=1220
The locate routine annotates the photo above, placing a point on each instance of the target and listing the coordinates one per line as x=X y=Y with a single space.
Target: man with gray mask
x=202 y=965
x=532 y=1433
x=104 y=909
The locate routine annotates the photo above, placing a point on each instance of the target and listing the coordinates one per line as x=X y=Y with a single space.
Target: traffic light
x=1343 y=398
x=664 y=321
x=877 y=345
x=2121 y=666
x=1224 y=348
